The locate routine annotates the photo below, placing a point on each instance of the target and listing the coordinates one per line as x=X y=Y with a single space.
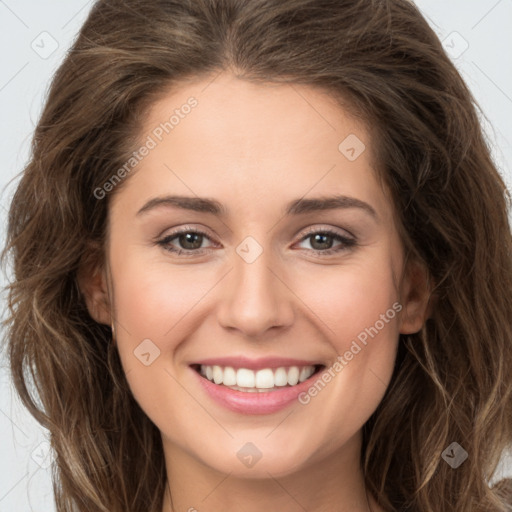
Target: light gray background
x=34 y=36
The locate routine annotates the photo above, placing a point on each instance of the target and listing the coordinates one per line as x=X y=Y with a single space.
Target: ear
x=415 y=293
x=92 y=282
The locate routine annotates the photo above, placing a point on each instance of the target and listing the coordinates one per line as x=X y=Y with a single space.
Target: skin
x=254 y=148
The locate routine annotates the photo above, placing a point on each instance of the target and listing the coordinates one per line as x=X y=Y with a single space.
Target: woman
x=263 y=262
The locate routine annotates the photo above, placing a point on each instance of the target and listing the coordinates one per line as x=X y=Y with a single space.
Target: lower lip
x=259 y=402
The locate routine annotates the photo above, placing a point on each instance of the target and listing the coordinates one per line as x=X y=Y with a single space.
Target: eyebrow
x=295 y=207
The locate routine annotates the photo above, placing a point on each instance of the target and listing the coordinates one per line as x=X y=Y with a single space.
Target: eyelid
x=164 y=241
x=310 y=230
x=326 y=229
x=185 y=228
x=347 y=242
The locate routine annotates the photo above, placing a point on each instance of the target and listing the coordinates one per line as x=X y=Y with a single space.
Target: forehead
x=244 y=139
x=272 y=115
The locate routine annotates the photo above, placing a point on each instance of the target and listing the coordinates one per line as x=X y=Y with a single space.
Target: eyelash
x=346 y=243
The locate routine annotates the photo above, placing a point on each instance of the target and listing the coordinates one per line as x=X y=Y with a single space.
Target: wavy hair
x=384 y=63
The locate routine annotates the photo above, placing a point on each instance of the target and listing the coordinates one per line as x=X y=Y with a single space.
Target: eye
x=322 y=241
x=188 y=241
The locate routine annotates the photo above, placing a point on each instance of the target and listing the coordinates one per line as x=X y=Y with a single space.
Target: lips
x=255 y=386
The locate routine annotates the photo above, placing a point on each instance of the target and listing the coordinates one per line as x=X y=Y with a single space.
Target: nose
x=257 y=298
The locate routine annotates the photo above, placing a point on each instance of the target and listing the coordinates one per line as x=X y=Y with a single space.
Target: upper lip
x=255 y=364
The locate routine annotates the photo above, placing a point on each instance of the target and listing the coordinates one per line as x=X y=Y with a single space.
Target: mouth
x=263 y=380
x=263 y=388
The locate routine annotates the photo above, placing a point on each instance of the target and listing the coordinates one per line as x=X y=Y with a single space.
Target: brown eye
x=321 y=241
x=190 y=240
x=327 y=242
x=186 y=241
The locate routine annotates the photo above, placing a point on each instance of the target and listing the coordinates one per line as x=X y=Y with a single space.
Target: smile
x=260 y=386
x=264 y=380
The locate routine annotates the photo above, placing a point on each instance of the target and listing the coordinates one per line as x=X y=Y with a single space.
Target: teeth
x=229 y=378
x=244 y=379
x=265 y=379
x=293 y=376
x=303 y=374
x=281 y=377
x=217 y=375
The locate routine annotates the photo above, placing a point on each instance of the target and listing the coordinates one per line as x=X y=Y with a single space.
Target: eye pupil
x=191 y=238
x=321 y=239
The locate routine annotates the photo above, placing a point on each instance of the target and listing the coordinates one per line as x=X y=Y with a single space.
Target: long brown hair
x=381 y=59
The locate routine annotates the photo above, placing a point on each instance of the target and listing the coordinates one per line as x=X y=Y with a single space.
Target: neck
x=333 y=482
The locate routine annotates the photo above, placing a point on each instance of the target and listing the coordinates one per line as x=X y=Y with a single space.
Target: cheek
x=348 y=299
x=154 y=318
x=157 y=307
x=357 y=307
x=360 y=308
x=152 y=299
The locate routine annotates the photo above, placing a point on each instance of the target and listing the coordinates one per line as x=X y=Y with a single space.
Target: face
x=252 y=245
